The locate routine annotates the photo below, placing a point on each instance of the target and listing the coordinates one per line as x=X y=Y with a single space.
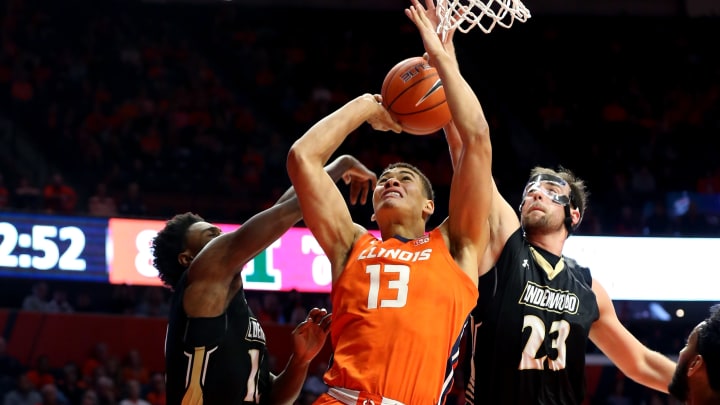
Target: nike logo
x=437 y=86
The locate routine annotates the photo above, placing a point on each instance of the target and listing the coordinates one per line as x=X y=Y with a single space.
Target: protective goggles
x=551 y=186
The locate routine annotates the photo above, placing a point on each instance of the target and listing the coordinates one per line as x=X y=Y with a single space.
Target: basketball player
x=697 y=377
x=215 y=347
x=399 y=302
x=536 y=308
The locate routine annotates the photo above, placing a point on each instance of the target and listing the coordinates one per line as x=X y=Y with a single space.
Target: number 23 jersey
x=399 y=309
x=529 y=330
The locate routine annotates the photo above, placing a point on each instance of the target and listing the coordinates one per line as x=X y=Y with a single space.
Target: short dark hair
x=579 y=195
x=168 y=244
x=708 y=346
x=429 y=192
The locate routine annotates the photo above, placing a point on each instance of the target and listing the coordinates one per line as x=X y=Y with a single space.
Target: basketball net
x=464 y=15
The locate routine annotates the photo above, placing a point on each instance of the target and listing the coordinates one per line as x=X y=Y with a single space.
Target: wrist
x=340 y=165
x=443 y=59
x=368 y=98
x=297 y=362
x=370 y=104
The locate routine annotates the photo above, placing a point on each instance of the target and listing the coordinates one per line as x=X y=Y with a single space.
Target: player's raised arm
x=503 y=218
x=471 y=187
x=324 y=210
x=267 y=226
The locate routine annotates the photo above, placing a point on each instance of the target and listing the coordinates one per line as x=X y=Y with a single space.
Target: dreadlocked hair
x=168 y=244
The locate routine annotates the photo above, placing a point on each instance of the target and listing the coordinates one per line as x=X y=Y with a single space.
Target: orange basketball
x=413 y=94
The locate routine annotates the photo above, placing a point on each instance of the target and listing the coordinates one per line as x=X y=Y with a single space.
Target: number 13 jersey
x=399 y=309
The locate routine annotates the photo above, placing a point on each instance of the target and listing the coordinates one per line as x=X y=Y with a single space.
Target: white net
x=464 y=15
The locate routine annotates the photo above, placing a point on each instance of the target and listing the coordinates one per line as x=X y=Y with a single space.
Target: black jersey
x=217 y=361
x=529 y=330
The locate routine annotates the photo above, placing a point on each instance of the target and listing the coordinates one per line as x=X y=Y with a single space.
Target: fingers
x=392 y=125
x=397 y=128
x=316 y=314
x=320 y=317
x=355 y=189
x=325 y=322
x=361 y=181
x=450 y=35
x=414 y=12
x=430 y=5
x=373 y=180
x=364 y=192
x=419 y=12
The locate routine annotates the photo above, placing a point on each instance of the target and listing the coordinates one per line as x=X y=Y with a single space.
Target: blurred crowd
x=146 y=110
x=100 y=378
x=288 y=307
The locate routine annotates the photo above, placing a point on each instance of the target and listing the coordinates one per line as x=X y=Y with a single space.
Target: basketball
x=414 y=96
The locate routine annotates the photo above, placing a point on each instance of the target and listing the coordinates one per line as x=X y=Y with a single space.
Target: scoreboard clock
x=56 y=246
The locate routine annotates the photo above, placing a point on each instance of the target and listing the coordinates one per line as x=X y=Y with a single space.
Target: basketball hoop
x=485 y=14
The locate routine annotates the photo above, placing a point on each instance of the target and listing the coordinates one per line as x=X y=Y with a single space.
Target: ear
x=372 y=217
x=429 y=207
x=575 y=216
x=185 y=258
x=695 y=365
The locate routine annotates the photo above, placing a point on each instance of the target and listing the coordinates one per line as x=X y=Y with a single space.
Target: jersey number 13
x=400 y=285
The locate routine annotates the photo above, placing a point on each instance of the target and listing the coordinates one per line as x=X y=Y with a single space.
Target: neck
x=553 y=243
x=408 y=231
x=703 y=397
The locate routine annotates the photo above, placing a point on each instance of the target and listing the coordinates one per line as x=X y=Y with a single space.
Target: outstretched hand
x=426 y=20
x=310 y=335
x=361 y=181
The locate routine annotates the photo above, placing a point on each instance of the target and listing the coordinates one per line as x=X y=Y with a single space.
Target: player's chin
x=532 y=223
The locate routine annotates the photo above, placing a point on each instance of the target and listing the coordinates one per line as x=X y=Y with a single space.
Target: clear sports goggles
x=550 y=186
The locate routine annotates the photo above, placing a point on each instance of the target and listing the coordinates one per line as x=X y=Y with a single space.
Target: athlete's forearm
x=657 y=371
x=324 y=138
x=288 y=384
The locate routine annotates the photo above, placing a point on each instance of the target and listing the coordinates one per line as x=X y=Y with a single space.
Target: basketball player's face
x=543 y=206
x=399 y=187
x=200 y=234
x=679 y=385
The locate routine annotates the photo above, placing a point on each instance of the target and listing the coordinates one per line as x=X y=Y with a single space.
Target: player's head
x=401 y=182
x=177 y=244
x=698 y=365
x=559 y=194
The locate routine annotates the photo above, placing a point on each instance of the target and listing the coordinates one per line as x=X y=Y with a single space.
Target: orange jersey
x=398 y=315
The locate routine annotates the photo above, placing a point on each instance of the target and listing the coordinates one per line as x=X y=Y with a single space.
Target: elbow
x=478 y=139
x=295 y=159
x=474 y=130
x=481 y=129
